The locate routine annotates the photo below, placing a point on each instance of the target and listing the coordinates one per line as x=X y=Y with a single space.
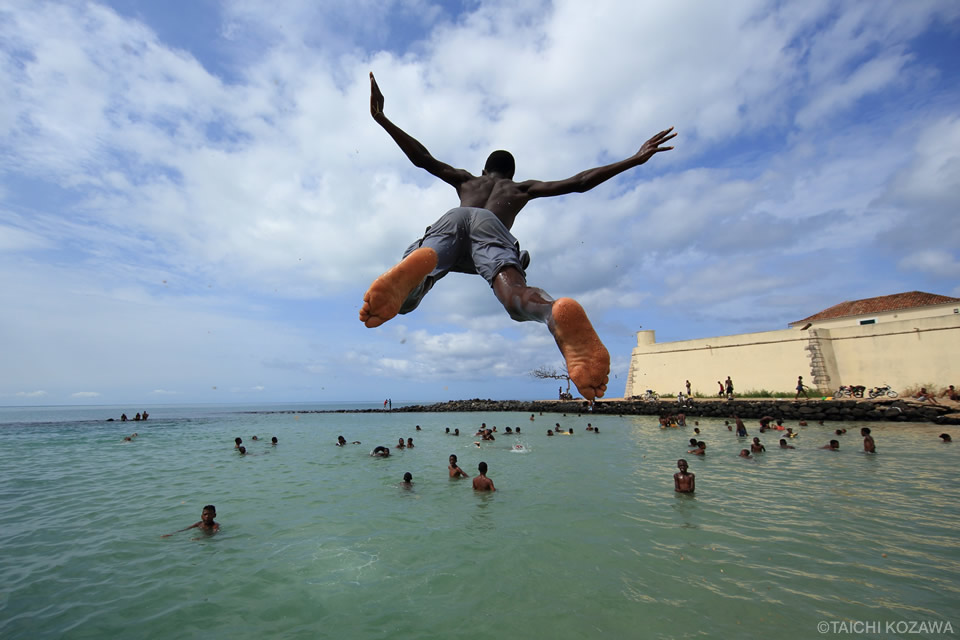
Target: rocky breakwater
x=833 y=410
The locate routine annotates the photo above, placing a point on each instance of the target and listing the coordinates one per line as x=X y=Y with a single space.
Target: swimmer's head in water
x=407 y=477
x=682 y=464
x=834 y=444
x=456 y=432
x=208 y=514
x=273 y=439
x=453 y=459
x=482 y=467
x=946 y=437
x=693 y=442
x=238 y=441
x=243 y=450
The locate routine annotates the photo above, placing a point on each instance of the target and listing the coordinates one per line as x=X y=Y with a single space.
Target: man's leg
x=588 y=362
x=388 y=292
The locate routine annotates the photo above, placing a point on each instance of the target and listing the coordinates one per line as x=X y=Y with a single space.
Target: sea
x=585 y=536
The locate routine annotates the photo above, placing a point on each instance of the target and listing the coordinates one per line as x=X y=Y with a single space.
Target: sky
x=194 y=197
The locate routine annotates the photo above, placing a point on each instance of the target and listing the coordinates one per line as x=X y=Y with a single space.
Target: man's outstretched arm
x=586 y=180
x=417 y=153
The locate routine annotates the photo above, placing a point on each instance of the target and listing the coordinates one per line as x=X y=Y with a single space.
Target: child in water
x=206 y=524
x=683 y=480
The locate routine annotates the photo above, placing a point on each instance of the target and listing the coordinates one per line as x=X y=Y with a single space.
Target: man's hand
x=376 y=98
x=649 y=147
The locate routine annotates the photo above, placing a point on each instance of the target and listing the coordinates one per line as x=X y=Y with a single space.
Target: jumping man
x=475 y=238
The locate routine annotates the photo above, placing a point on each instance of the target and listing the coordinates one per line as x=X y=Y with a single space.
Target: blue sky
x=194 y=198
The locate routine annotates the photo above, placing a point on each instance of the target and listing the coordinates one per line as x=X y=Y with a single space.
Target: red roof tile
x=895 y=302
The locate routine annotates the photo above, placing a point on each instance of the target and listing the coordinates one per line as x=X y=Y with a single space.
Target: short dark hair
x=407 y=477
x=865 y=429
x=501 y=162
x=482 y=467
x=210 y=507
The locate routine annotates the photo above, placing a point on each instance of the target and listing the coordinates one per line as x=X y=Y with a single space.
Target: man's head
x=865 y=431
x=407 y=477
x=501 y=163
x=208 y=514
x=834 y=444
x=693 y=442
x=682 y=465
x=482 y=467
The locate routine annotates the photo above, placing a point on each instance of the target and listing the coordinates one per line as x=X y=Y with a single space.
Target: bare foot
x=588 y=361
x=387 y=293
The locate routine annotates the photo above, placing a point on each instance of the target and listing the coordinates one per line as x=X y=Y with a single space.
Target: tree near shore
x=545 y=372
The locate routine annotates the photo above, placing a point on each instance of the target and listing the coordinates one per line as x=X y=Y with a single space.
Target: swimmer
x=745 y=453
x=833 y=446
x=237 y=443
x=341 y=441
x=549 y=432
x=273 y=440
x=456 y=432
x=242 y=450
x=693 y=442
x=945 y=437
x=454 y=468
x=696 y=430
x=380 y=452
x=409 y=443
x=255 y=438
x=683 y=481
x=517 y=431
x=868 y=444
x=802 y=423
x=784 y=445
x=589 y=427
x=206 y=524
x=756 y=447
x=531 y=417
x=482 y=482
x=840 y=432
x=447 y=431
x=508 y=431
x=701 y=449
x=400 y=444
x=596 y=429
x=418 y=428
x=407 y=480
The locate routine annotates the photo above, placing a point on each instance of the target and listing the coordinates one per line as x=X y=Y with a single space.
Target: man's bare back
x=501 y=196
x=495 y=191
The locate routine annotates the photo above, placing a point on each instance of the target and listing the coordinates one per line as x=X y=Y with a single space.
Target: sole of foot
x=588 y=361
x=387 y=293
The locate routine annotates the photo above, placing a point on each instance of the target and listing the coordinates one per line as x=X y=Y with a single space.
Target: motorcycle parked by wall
x=855 y=390
x=885 y=390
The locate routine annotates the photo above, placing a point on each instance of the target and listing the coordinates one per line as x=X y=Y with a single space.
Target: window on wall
x=870 y=321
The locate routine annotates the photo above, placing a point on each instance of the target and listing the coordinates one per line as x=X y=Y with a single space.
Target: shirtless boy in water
x=475 y=238
x=683 y=480
x=207 y=522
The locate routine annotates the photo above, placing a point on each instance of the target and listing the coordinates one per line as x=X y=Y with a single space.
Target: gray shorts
x=467 y=240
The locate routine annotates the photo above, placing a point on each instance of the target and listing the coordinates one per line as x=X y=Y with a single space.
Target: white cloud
x=221 y=221
x=85 y=394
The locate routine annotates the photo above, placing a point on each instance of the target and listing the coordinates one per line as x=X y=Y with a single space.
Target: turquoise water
x=585 y=537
